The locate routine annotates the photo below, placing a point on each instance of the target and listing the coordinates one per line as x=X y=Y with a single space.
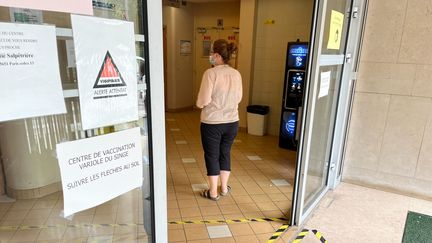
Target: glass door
x=326 y=66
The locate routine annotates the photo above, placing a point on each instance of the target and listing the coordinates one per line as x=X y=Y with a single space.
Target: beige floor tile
x=248 y=207
x=223 y=240
x=25 y=235
x=38 y=214
x=267 y=206
x=241 y=229
x=176 y=235
x=5 y=236
x=230 y=209
x=16 y=215
x=274 y=214
x=246 y=239
x=261 y=227
x=212 y=210
x=187 y=203
x=196 y=233
x=190 y=212
x=173 y=213
x=243 y=199
x=200 y=241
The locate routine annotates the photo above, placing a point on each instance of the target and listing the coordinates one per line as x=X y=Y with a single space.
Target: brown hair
x=225 y=49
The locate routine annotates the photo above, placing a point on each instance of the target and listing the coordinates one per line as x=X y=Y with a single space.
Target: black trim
x=144 y=29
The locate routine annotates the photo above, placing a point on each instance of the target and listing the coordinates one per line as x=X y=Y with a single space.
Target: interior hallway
x=350 y=213
x=261 y=180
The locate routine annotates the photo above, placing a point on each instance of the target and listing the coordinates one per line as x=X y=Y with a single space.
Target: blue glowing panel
x=297 y=56
x=289 y=124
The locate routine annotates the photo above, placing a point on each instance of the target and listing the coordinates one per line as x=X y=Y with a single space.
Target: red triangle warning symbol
x=109 y=75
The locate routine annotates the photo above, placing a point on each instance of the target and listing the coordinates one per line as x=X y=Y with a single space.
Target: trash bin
x=257 y=119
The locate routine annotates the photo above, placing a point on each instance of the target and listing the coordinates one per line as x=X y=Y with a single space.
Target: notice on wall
x=30 y=83
x=185 y=47
x=336 y=28
x=106 y=68
x=68 y=6
x=324 y=84
x=25 y=15
x=98 y=169
x=70 y=54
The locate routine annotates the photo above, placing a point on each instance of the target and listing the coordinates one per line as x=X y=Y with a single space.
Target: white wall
x=292 y=21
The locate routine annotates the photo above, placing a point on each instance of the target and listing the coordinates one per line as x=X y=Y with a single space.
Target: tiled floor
x=261 y=180
x=47 y=211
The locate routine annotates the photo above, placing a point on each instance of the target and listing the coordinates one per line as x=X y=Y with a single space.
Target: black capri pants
x=217 y=140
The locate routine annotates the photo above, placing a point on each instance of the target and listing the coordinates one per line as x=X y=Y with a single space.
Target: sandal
x=226 y=193
x=206 y=194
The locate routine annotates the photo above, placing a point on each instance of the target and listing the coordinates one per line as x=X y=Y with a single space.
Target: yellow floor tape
x=229 y=221
x=304 y=232
x=278 y=233
x=273 y=238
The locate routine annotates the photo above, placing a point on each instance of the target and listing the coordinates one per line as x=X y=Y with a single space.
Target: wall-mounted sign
x=68 y=6
x=206 y=48
x=30 y=83
x=106 y=68
x=98 y=169
x=185 y=47
x=25 y=15
x=336 y=28
x=70 y=54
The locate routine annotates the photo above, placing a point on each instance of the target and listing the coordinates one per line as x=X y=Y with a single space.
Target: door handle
x=348 y=58
x=355 y=12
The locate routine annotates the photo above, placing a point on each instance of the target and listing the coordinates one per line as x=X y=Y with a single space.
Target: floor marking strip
x=319 y=236
x=278 y=233
x=301 y=235
x=304 y=232
x=229 y=221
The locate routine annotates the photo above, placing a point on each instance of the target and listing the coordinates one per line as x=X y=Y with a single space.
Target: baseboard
x=34 y=193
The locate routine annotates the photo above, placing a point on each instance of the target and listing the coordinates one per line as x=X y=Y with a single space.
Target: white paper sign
x=30 y=83
x=98 y=169
x=70 y=53
x=106 y=67
x=324 y=84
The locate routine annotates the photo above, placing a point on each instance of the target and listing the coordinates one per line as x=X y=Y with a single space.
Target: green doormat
x=418 y=228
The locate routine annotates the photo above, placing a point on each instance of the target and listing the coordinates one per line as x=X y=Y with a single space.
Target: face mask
x=212 y=60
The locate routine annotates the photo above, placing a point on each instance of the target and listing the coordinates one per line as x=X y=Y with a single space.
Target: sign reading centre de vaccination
x=98 y=169
x=106 y=68
x=30 y=83
x=68 y=6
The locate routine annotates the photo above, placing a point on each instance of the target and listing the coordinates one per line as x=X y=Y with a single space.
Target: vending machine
x=295 y=78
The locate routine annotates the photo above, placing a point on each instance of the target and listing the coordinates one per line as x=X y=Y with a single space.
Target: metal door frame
x=343 y=108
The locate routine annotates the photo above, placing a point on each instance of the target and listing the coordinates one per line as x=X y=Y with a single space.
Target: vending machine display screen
x=295 y=81
x=297 y=55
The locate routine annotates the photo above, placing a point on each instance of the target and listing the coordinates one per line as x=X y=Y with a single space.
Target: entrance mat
x=418 y=228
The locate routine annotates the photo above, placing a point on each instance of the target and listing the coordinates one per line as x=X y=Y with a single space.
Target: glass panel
x=336 y=7
x=28 y=150
x=322 y=131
